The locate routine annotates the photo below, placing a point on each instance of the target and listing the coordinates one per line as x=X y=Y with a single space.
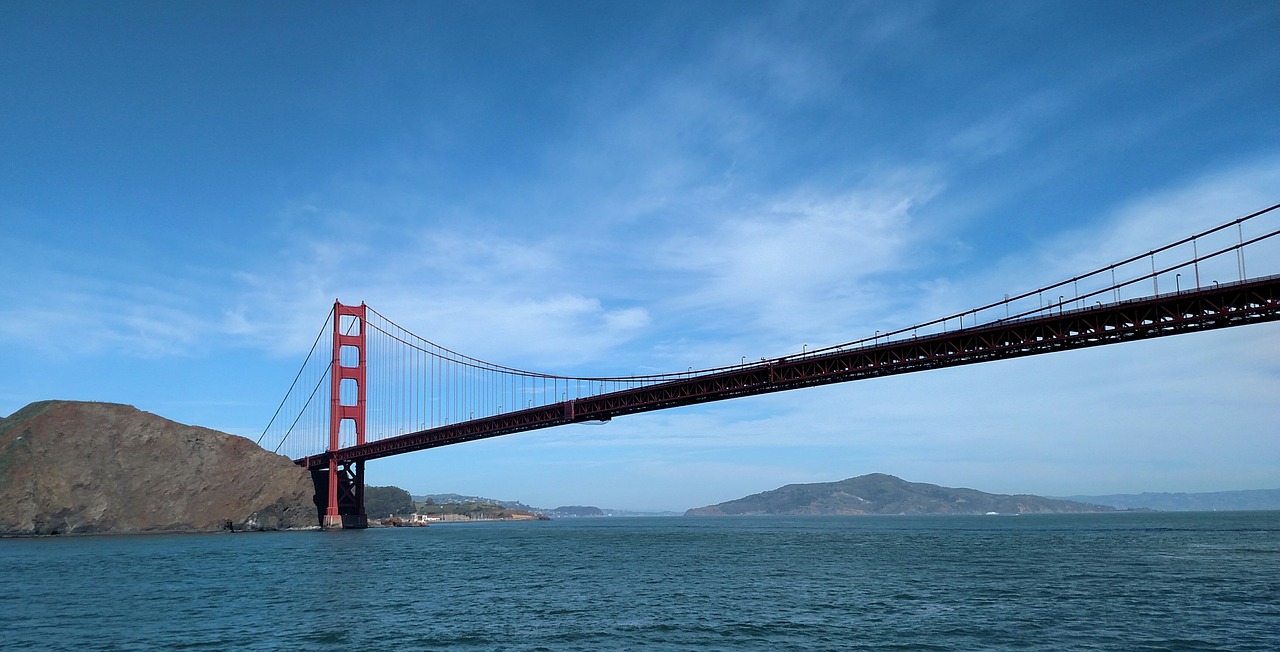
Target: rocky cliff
x=878 y=493
x=74 y=467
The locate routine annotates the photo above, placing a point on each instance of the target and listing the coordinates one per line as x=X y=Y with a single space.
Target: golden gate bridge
x=371 y=388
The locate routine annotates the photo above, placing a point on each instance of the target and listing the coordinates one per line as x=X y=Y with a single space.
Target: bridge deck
x=1206 y=308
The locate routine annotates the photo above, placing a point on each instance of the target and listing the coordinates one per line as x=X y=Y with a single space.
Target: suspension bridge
x=371 y=388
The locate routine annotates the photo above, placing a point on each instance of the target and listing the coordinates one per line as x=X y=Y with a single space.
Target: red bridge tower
x=342 y=484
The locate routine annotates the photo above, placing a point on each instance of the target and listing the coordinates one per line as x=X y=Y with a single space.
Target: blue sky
x=589 y=188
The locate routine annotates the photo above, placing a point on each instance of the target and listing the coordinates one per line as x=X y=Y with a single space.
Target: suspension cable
x=295 y=381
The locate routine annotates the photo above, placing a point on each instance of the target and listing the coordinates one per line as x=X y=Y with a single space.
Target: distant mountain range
x=568 y=511
x=1254 y=499
x=879 y=493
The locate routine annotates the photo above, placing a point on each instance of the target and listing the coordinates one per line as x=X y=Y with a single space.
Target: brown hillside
x=74 y=467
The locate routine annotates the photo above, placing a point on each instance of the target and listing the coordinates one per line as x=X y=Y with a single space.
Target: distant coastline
x=1217 y=501
x=879 y=493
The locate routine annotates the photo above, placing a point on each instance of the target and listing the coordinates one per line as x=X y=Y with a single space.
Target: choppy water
x=1099 y=582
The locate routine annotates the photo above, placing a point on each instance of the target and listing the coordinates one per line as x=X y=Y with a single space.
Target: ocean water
x=1130 y=581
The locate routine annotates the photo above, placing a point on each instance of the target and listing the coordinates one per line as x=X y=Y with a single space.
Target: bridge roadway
x=1205 y=308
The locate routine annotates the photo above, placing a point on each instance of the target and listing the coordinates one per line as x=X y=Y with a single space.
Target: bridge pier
x=339 y=496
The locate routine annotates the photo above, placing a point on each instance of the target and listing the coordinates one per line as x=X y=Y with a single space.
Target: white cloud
x=1006 y=129
x=508 y=301
x=79 y=313
x=802 y=264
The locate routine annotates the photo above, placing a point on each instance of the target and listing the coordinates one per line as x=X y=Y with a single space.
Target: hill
x=459 y=499
x=387 y=501
x=76 y=467
x=878 y=493
x=576 y=511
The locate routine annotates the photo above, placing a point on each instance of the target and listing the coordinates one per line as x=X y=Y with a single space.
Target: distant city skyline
x=609 y=188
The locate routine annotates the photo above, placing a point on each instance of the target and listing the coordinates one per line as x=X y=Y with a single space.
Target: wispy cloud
x=513 y=301
x=802 y=265
x=73 y=311
x=1005 y=129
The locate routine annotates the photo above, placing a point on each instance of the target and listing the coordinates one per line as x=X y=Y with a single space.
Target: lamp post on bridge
x=1195 y=257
